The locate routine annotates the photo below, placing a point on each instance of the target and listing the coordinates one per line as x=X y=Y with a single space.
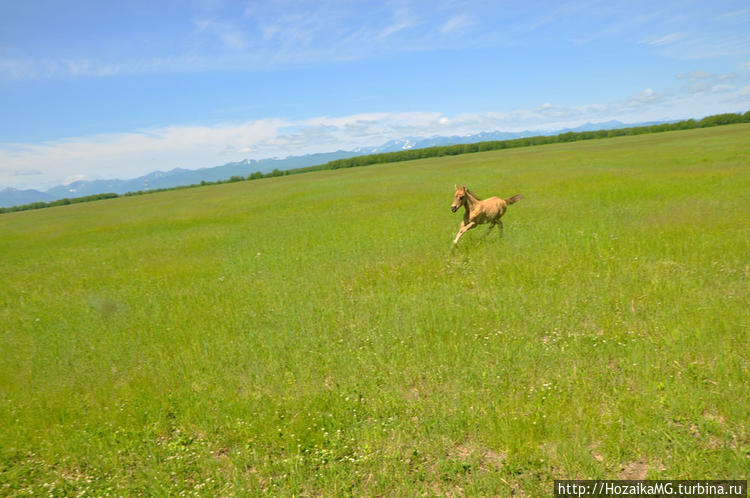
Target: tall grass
x=316 y=334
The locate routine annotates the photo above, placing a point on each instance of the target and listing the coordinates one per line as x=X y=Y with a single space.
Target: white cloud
x=128 y=155
x=646 y=97
x=740 y=94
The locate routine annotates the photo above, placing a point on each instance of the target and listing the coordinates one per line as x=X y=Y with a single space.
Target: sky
x=103 y=89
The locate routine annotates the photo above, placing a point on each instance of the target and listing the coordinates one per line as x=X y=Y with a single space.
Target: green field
x=317 y=334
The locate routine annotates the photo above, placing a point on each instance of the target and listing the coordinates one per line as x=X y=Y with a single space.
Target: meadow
x=317 y=334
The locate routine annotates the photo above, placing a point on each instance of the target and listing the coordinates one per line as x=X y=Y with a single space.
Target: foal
x=478 y=212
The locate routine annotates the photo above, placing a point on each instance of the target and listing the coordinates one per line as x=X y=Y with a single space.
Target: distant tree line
x=438 y=151
x=571 y=136
x=58 y=202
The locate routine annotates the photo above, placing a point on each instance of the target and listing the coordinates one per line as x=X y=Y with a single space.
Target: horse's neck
x=469 y=201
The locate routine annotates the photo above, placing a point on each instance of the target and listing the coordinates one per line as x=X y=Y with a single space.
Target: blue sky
x=92 y=89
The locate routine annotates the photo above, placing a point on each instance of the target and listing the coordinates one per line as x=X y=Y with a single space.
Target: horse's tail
x=514 y=199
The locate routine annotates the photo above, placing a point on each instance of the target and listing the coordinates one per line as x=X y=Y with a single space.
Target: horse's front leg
x=463 y=229
x=464 y=222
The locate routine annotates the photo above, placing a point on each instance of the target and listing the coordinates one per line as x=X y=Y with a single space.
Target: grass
x=317 y=334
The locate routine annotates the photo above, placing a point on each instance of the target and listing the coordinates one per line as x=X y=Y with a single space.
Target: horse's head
x=458 y=198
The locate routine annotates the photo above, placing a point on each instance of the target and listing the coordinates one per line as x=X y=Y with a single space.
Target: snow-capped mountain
x=16 y=197
x=179 y=176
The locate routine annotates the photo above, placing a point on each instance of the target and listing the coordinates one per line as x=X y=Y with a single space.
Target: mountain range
x=179 y=177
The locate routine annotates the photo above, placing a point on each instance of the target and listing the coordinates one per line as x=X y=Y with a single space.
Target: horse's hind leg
x=489 y=229
x=500 y=227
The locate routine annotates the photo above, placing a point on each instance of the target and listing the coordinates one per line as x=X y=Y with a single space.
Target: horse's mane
x=473 y=194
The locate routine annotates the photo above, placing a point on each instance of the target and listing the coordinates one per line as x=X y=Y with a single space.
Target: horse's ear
x=464 y=187
x=455 y=186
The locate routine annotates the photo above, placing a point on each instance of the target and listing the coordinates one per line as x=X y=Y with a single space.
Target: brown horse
x=478 y=212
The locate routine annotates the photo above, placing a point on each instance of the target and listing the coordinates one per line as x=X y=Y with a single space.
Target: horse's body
x=477 y=212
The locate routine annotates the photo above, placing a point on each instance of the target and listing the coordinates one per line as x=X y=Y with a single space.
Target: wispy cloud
x=701 y=81
x=400 y=18
x=457 y=24
x=706 y=47
x=698 y=74
x=665 y=40
x=259 y=35
x=741 y=15
x=230 y=36
x=27 y=172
